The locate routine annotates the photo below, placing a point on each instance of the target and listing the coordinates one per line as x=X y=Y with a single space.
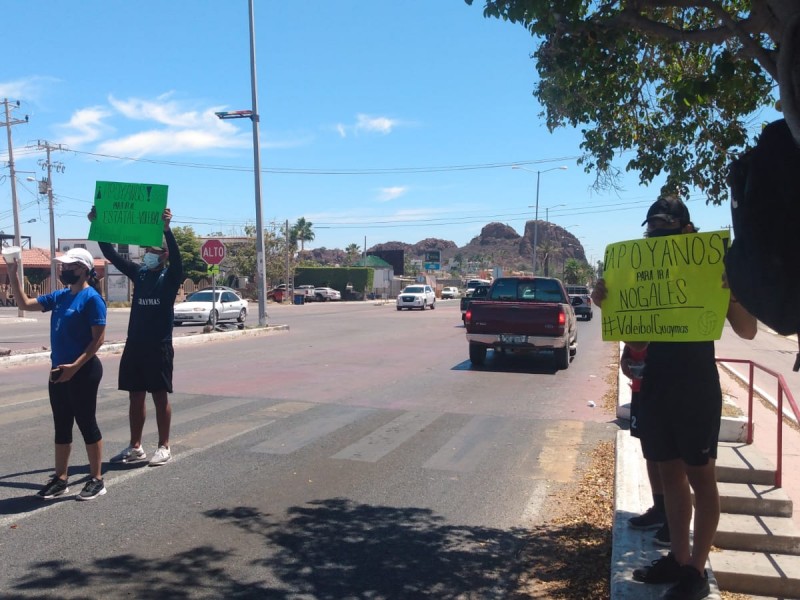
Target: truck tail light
x=468 y=316
x=562 y=318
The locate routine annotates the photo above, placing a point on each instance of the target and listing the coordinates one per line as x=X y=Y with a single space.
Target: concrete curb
x=117 y=347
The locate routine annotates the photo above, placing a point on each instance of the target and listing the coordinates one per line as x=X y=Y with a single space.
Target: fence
x=783 y=391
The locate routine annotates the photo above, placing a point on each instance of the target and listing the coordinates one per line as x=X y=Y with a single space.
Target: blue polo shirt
x=71 y=322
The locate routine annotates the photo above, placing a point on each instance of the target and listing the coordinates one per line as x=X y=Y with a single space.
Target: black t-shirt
x=154 y=292
x=679 y=359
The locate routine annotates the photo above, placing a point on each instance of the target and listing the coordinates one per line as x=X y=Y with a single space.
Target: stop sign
x=212 y=252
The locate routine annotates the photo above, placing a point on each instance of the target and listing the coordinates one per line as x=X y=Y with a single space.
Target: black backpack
x=763 y=262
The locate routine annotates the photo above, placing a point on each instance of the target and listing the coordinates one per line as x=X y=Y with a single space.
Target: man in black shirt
x=146 y=363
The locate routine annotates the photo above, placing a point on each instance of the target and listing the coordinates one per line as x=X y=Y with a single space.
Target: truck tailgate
x=523 y=318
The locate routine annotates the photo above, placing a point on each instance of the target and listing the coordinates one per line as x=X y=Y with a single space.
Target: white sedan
x=323 y=294
x=228 y=306
x=416 y=296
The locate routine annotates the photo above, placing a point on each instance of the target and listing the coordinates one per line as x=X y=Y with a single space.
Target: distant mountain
x=500 y=244
x=497 y=244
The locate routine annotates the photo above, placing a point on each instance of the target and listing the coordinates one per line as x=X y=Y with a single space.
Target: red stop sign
x=212 y=252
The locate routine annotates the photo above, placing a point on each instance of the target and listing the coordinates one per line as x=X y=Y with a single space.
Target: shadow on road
x=329 y=549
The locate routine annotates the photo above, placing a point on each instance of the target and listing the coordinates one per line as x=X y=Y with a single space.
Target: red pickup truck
x=523 y=314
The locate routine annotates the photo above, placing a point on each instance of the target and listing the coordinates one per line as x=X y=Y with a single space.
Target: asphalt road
x=356 y=455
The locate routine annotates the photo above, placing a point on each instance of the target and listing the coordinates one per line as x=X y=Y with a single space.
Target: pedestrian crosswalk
x=524 y=449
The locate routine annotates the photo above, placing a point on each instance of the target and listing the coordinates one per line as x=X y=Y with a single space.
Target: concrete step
x=757 y=534
x=754 y=499
x=742 y=463
x=771 y=575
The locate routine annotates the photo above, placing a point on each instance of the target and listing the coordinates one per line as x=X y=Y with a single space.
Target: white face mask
x=151 y=261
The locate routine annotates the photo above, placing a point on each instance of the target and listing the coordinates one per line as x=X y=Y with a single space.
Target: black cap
x=670 y=209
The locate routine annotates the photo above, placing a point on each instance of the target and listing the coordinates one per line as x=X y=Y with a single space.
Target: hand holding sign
x=128 y=213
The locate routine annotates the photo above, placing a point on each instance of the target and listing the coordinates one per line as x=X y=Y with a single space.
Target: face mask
x=68 y=277
x=662 y=232
x=151 y=261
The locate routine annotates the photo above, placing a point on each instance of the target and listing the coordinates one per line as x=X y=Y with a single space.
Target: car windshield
x=201 y=297
x=413 y=289
x=535 y=290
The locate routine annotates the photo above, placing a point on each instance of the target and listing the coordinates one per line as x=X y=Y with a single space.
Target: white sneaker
x=161 y=456
x=129 y=455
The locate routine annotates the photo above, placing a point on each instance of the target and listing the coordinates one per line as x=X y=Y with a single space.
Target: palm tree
x=302 y=232
x=352 y=251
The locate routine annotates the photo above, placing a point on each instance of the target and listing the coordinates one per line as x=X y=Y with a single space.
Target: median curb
x=117 y=347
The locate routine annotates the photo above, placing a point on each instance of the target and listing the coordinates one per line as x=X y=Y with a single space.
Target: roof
x=374 y=262
x=39 y=258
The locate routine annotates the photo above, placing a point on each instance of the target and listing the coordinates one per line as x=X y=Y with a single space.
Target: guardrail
x=783 y=391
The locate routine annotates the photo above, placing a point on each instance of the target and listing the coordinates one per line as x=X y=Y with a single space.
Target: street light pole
x=536 y=214
x=261 y=284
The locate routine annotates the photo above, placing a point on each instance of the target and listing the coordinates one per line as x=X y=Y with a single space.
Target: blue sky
x=384 y=121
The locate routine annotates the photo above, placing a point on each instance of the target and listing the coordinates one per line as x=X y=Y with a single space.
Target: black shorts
x=636 y=402
x=679 y=417
x=146 y=367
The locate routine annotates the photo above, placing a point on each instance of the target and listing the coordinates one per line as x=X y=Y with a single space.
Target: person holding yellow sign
x=681 y=398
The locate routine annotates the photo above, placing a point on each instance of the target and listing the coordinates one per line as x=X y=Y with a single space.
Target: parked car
x=450 y=292
x=197 y=309
x=307 y=291
x=581 y=301
x=416 y=296
x=323 y=294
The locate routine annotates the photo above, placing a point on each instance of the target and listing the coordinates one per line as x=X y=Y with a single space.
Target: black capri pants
x=76 y=402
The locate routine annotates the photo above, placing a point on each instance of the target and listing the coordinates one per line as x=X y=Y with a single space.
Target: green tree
x=545 y=251
x=574 y=271
x=673 y=83
x=193 y=266
x=302 y=232
x=353 y=251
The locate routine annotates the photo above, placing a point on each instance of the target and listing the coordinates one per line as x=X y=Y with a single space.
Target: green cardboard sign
x=666 y=288
x=129 y=213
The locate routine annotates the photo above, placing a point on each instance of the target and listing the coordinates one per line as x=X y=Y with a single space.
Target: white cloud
x=27 y=89
x=86 y=125
x=390 y=193
x=370 y=124
x=342 y=130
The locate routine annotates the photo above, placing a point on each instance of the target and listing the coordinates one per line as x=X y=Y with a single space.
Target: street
x=355 y=455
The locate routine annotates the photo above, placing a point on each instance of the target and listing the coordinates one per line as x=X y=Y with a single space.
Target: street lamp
x=261 y=284
x=536 y=214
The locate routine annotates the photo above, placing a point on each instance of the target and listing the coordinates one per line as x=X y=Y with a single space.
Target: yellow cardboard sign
x=666 y=288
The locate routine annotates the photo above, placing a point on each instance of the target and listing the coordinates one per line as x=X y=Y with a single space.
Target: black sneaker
x=92 y=489
x=664 y=570
x=692 y=585
x=55 y=487
x=649 y=519
x=661 y=537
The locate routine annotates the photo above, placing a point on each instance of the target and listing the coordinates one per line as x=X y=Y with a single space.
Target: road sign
x=212 y=252
x=212 y=270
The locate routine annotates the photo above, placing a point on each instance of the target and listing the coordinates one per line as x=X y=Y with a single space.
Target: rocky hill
x=500 y=244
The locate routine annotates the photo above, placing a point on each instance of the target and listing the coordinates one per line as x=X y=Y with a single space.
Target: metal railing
x=782 y=391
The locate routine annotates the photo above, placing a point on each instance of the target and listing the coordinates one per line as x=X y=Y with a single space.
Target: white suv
x=416 y=296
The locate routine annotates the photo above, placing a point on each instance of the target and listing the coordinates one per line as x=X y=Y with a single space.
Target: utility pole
x=15 y=206
x=46 y=186
x=288 y=250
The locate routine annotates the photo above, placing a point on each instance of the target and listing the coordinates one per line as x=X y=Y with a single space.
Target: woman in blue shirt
x=77 y=330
